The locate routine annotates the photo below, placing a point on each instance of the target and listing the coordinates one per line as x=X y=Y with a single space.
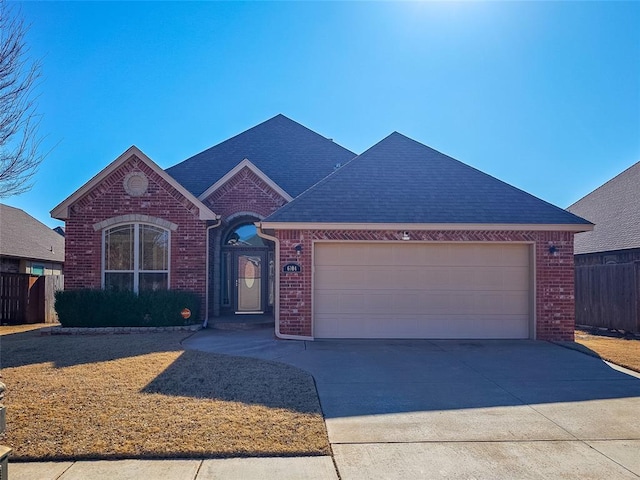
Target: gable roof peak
x=292 y=155
x=402 y=181
x=61 y=211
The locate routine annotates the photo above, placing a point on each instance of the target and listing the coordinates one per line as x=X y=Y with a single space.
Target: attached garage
x=406 y=242
x=422 y=290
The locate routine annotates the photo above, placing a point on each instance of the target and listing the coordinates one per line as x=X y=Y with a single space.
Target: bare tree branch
x=19 y=121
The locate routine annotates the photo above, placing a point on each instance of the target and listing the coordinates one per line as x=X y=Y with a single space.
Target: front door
x=247 y=272
x=249 y=282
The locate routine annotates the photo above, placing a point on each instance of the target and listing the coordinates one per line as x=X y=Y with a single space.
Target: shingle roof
x=400 y=180
x=290 y=154
x=615 y=209
x=23 y=236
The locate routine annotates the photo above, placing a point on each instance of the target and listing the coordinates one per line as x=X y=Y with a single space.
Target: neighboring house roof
x=290 y=154
x=401 y=181
x=22 y=236
x=61 y=212
x=615 y=209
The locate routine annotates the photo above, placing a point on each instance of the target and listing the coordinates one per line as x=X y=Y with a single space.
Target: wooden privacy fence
x=26 y=298
x=607 y=296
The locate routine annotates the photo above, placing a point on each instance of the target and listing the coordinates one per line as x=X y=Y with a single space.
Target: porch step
x=240 y=326
x=242 y=322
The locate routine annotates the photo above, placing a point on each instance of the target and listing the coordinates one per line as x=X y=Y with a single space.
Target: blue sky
x=543 y=95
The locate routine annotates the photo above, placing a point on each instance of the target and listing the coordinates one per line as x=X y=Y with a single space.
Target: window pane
x=118 y=281
x=153 y=281
x=118 y=248
x=272 y=279
x=154 y=245
x=245 y=236
x=37 y=269
x=226 y=279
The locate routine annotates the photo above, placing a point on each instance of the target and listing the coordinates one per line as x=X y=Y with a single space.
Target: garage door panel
x=400 y=255
x=341 y=277
x=419 y=290
x=516 y=302
x=514 y=255
x=516 y=278
x=427 y=326
x=497 y=304
x=349 y=302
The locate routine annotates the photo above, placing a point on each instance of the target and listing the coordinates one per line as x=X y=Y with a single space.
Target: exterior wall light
x=298 y=248
x=553 y=250
x=405 y=236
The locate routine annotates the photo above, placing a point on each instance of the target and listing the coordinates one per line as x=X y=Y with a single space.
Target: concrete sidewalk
x=311 y=468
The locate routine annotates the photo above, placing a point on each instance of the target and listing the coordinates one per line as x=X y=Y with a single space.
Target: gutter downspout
x=276 y=305
x=206 y=296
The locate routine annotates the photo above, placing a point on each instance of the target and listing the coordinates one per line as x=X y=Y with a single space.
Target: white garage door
x=413 y=290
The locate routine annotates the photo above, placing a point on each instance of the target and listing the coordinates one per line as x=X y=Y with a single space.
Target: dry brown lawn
x=143 y=396
x=621 y=350
x=11 y=329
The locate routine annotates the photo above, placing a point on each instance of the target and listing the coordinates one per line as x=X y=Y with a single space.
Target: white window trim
x=136 y=255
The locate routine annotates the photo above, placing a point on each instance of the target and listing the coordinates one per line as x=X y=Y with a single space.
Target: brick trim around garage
x=554 y=276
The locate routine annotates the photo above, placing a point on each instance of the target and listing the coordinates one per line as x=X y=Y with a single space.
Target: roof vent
x=337 y=166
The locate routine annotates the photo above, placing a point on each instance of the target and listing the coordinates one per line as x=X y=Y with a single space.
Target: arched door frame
x=224 y=292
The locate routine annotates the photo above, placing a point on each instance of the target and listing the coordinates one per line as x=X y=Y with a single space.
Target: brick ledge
x=116 y=330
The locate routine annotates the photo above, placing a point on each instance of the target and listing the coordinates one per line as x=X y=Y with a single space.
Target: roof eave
x=576 y=228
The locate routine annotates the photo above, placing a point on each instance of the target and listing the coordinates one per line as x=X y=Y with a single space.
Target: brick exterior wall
x=554 y=288
x=83 y=255
x=245 y=192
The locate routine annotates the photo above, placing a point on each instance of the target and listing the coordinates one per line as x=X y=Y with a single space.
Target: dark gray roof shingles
x=615 y=209
x=290 y=154
x=400 y=180
x=22 y=236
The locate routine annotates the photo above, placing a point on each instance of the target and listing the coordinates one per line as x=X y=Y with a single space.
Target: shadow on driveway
x=370 y=377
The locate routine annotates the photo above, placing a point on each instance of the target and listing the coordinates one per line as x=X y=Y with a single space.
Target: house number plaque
x=292 y=268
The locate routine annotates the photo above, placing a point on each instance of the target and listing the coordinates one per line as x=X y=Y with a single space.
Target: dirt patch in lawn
x=614 y=347
x=143 y=396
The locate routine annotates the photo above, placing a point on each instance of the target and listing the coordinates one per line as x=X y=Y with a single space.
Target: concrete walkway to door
x=461 y=409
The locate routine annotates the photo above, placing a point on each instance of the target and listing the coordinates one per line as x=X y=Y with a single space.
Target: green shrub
x=103 y=308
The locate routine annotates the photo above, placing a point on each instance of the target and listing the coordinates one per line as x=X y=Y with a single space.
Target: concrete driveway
x=461 y=409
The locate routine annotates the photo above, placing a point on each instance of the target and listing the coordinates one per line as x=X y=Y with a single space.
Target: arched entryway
x=247 y=270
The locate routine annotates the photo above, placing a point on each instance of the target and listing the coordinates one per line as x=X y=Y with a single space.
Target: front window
x=136 y=257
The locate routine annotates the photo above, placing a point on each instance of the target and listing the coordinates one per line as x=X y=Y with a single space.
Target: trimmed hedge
x=105 y=308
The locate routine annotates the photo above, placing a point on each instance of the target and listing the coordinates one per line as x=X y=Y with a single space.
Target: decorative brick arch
x=135 y=218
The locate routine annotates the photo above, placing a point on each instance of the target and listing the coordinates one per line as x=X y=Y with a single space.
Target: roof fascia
x=61 y=212
x=428 y=226
x=250 y=165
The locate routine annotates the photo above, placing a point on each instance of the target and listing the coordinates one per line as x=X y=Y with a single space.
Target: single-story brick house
x=398 y=242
